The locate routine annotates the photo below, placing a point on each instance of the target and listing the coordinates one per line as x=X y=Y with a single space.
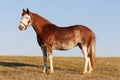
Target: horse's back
x=73 y=31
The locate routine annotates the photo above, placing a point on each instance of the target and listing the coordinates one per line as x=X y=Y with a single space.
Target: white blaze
x=24 y=21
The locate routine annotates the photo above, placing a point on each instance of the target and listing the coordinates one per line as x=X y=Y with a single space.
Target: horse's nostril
x=20 y=27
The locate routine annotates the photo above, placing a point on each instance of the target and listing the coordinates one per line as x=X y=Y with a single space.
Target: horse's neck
x=39 y=23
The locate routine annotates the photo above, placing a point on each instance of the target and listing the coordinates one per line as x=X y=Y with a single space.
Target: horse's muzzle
x=21 y=27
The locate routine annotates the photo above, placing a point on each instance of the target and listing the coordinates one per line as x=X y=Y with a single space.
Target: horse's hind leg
x=85 y=53
x=86 y=58
x=89 y=65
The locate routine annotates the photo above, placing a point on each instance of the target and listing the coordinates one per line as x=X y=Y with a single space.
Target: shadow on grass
x=16 y=64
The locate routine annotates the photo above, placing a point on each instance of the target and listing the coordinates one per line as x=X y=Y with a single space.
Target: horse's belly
x=63 y=46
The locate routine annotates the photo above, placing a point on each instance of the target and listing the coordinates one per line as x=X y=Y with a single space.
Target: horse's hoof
x=84 y=73
x=90 y=71
x=51 y=72
x=45 y=71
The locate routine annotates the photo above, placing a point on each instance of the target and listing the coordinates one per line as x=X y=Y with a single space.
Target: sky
x=102 y=16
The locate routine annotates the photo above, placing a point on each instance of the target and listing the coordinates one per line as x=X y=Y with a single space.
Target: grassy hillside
x=66 y=68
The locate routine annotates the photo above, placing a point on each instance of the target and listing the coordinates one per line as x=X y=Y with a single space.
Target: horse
x=52 y=37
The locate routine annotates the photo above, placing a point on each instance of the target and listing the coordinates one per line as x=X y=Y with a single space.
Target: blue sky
x=102 y=16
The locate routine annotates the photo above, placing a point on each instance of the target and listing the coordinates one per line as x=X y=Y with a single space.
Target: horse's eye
x=27 y=18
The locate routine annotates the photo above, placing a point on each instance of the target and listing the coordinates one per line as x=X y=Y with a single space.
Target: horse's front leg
x=44 y=58
x=49 y=50
x=51 y=63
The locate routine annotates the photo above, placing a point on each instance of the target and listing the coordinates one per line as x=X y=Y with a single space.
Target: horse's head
x=26 y=20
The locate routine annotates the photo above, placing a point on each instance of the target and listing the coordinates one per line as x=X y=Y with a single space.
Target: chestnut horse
x=51 y=37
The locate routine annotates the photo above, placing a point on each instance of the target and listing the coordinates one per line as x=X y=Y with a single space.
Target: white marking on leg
x=89 y=64
x=51 y=63
x=85 y=52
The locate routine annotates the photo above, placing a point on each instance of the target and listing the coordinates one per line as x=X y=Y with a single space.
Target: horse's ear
x=23 y=10
x=28 y=10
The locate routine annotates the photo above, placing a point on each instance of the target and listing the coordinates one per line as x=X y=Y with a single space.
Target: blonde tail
x=92 y=53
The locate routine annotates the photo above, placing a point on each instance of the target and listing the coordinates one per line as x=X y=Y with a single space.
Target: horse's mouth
x=22 y=28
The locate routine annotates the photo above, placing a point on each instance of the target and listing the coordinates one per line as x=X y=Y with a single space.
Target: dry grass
x=66 y=68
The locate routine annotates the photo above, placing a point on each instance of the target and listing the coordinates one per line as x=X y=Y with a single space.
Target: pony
x=51 y=37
